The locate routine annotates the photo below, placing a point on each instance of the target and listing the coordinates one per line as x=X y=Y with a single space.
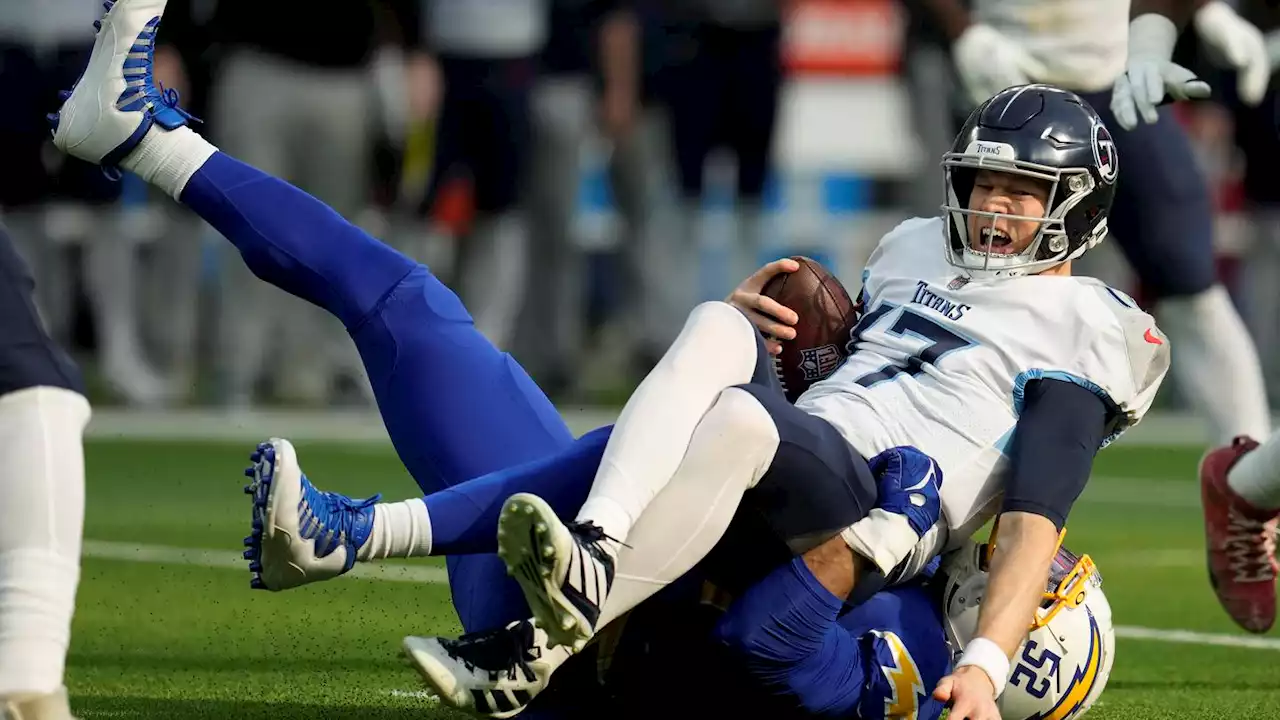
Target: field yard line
x=427 y=695
x=1197 y=638
x=168 y=555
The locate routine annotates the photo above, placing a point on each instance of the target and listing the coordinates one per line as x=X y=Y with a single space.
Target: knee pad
x=739 y=416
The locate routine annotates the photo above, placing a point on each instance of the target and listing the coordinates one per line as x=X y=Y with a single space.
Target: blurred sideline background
x=579 y=234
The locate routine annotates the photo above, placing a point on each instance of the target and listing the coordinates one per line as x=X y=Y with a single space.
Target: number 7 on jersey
x=940 y=342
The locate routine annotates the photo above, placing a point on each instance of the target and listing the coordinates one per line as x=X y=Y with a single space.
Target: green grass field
x=173 y=632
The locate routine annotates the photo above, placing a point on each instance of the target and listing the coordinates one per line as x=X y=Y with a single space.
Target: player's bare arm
x=1028 y=541
x=1014 y=592
x=835 y=567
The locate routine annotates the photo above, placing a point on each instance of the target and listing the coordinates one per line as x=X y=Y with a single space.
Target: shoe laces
x=142 y=91
x=590 y=534
x=505 y=651
x=333 y=520
x=1250 y=547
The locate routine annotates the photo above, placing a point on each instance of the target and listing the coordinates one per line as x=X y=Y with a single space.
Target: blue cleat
x=116 y=101
x=300 y=534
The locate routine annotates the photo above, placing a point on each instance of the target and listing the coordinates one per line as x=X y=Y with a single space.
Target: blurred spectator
x=723 y=85
x=937 y=109
x=51 y=201
x=585 y=35
x=184 y=62
x=293 y=95
x=487 y=56
x=641 y=171
x=1255 y=131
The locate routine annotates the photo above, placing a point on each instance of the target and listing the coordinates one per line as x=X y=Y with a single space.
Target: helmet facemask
x=1051 y=245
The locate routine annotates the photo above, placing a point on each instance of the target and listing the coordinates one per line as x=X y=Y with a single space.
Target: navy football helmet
x=1042 y=132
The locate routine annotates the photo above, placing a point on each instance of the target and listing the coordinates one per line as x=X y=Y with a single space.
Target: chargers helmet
x=1042 y=132
x=1063 y=666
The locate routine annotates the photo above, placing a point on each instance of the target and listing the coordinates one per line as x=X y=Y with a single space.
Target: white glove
x=1151 y=73
x=988 y=62
x=1238 y=44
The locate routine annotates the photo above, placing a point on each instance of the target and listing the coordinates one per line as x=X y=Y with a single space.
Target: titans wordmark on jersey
x=940 y=361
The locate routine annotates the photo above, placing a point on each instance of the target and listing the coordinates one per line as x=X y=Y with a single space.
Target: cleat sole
x=533 y=543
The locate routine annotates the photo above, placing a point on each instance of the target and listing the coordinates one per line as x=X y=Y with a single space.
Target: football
x=827 y=317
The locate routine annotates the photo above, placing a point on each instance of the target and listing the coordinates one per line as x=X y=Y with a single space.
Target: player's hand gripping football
x=969 y=693
x=770 y=317
x=1151 y=73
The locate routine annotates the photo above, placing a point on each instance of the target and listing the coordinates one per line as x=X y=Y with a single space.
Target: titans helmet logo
x=1104 y=153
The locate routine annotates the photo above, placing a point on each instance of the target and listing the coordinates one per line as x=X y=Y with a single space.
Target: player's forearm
x=1018 y=574
x=952 y=16
x=835 y=566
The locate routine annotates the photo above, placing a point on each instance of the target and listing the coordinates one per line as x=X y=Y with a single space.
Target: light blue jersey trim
x=1002 y=445
x=1019 y=399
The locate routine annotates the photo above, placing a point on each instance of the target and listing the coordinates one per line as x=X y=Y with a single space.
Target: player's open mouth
x=995 y=240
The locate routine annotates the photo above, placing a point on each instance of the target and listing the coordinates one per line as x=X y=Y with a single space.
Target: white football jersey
x=941 y=361
x=1083 y=44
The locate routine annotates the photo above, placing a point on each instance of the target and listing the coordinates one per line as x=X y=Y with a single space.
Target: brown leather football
x=827 y=318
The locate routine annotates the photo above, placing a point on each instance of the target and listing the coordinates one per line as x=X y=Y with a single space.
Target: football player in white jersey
x=1163 y=223
x=974 y=327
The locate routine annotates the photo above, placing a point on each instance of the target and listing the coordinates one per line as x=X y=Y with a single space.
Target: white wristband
x=988 y=656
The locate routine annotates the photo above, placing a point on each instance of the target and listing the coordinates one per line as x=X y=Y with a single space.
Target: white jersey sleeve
x=1127 y=358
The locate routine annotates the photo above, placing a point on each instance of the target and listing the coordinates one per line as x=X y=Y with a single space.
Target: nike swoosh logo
x=922 y=483
x=1151 y=338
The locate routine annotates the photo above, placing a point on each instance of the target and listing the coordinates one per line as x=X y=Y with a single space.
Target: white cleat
x=300 y=534
x=565 y=571
x=116 y=101
x=494 y=673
